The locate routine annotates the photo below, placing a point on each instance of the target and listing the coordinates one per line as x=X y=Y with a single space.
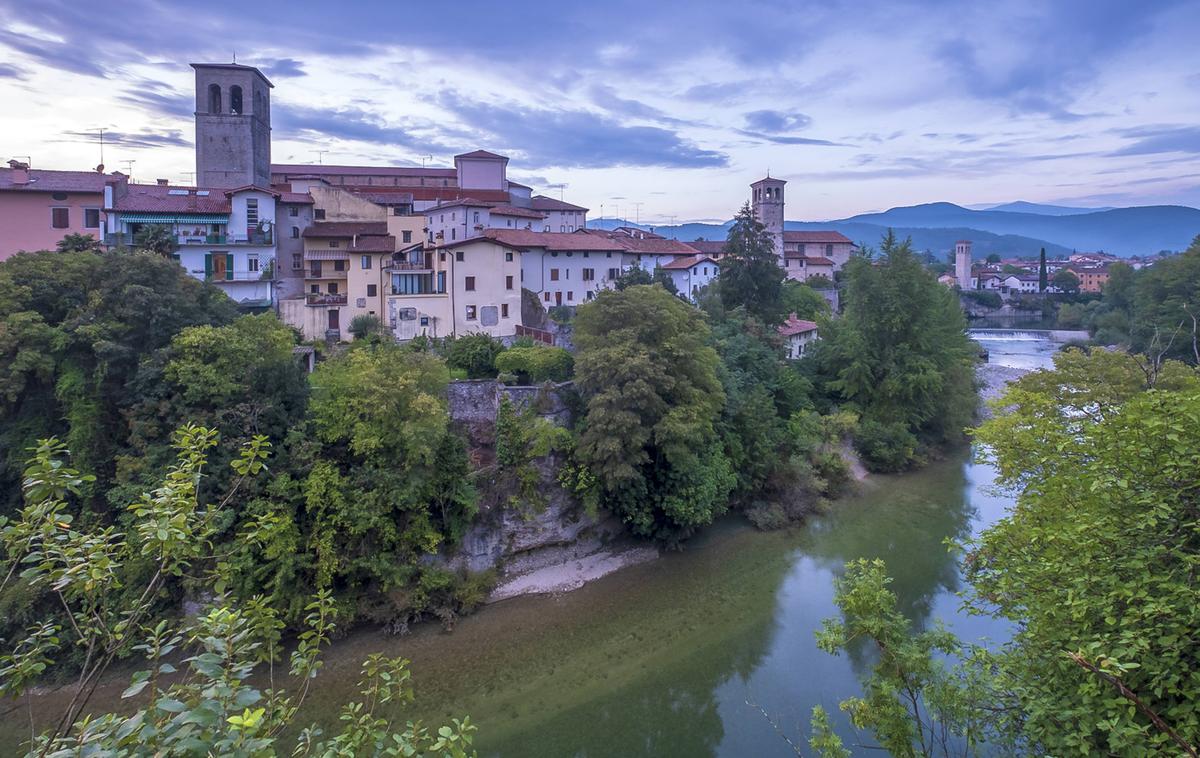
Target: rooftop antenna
x=129 y=166
x=561 y=187
x=320 y=156
x=637 y=213
x=601 y=222
x=192 y=180
x=101 y=130
x=425 y=158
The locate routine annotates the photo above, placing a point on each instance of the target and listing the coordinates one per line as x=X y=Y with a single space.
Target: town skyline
x=1090 y=105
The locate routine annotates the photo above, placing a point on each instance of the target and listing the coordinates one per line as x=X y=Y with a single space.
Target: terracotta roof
x=469 y=202
x=512 y=210
x=374 y=244
x=323 y=229
x=41 y=180
x=157 y=198
x=511 y=183
x=818 y=260
x=653 y=246
x=711 y=247
x=543 y=203
x=304 y=169
x=480 y=154
x=235 y=67
x=795 y=325
x=818 y=237
x=682 y=264
x=252 y=188
x=491 y=197
x=564 y=241
x=302 y=198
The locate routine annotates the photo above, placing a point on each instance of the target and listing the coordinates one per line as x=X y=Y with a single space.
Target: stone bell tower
x=962 y=263
x=233 y=126
x=766 y=200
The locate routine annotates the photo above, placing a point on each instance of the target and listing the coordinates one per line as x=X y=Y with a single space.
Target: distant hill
x=1041 y=209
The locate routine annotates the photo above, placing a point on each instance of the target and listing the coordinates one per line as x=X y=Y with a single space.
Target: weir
x=1027 y=335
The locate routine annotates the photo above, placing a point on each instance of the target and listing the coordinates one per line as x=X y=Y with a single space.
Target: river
x=682 y=656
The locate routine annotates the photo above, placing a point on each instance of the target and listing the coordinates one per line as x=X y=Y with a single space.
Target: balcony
x=233 y=276
x=326 y=273
x=324 y=298
x=124 y=239
x=407 y=266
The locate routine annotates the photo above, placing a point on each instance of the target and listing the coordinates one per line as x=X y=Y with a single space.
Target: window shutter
x=208 y=266
x=228 y=265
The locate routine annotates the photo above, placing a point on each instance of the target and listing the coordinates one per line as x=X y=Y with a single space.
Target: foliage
x=1103 y=456
x=913 y=702
x=663 y=278
x=1064 y=280
x=899 y=356
x=1042 y=278
x=986 y=298
x=79 y=243
x=157 y=239
x=751 y=276
x=521 y=438
x=886 y=446
x=366 y=325
x=536 y=364
x=632 y=277
x=210 y=708
x=649 y=381
x=803 y=300
x=473 y=353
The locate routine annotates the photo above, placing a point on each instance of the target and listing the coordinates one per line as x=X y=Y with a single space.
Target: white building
x=798 y=335
x=691 y=274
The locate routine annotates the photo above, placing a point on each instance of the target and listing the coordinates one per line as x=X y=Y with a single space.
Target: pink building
x=39 y=207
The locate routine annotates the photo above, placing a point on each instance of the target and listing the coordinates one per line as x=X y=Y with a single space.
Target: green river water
x=682 y=656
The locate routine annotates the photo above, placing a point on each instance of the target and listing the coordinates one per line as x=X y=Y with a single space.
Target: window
x=585 y=255
x=372 y=290
x=397 y=210
x=508 y=257
x=314 y=268
x=608 y=255
x=315 y=289
x=562 y=228
x=829 y=249
x=365 y=261
x=504 y=310
x=252 y=263
x=251 y=210
x=293 y=211
x=334 y=243
x=60 y=218
x=570 y=295
x=589 y=274
x=454 y=234
x=470 y=284
x=476 y=218
x=406 y=236
x=452 y=216
x=319 y=214
x=297 y=261
x=508 y=282
x=554 y=275
x=295 y=232
x=235 y=100
x=441 y=257
x=613 y=273
x=471 y=312
x=510 y=222
x=458 y=255
x=339 y=265
x=333 y=288
x=214 y=98
x=91 y=218
x=546 y=296
x=706 y=270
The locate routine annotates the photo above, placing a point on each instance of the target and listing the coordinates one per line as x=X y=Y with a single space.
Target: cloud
x=571 y=138
x=776 y=122
x=606 y=97
x=1151 y=140
x=8 y=71
x=134 y=140
x=159 y=98
x=281 y=68
x=349 y=123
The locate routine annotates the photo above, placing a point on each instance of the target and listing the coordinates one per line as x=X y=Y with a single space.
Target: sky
x=658 y=111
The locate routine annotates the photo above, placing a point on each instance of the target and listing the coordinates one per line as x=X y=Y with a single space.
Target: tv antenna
x=637 y=213
x=320 y=156
x=192 y=177
x=425 y=158
x=129 y=166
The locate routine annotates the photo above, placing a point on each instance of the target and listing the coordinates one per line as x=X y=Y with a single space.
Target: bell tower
x=962 y=263
x=233 y=126
x=766 y=200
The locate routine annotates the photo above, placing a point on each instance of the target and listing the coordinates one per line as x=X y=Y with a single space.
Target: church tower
x=233 y=126
x=962 y=263
x=766 y=200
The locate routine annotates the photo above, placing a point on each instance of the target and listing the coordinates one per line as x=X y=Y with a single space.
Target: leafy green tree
x=1042 y=278
x=751 y=276
x=803 y=300
x=366 y=325
x=993 y=258
x=536 y=364
x=648 y=379
x=632 y=277
x=899 y=356
x=1065 y=281
x=1101 y=454
x=157 y=239
x=473 y=353
x=79 y=243
x=211 y=707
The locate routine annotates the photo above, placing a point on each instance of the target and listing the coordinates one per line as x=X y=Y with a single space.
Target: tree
x=632 y=277
x=79 y=243
x=474 y=354
x=1065 y=281
x=751 y=276
x=803 y=300
x=1102 y=458
x=366 y=325
x=665 y=280
x=648 y=379
x=1042 y=281
x=993 y=258
x=157 y=239
x=210 y=708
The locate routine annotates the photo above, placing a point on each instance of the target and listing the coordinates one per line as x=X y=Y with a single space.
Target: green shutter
x=228 y=265
x=207 y=266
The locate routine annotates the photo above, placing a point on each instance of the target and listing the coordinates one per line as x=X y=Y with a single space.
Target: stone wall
x=476 y=401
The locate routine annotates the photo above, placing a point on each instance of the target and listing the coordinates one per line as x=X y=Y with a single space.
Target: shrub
x=534 y=365
x=475 y=354
x=986 y=298
x=885 y=446
x=365 y=325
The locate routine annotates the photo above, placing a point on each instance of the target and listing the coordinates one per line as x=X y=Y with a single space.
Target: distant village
x=428 y=251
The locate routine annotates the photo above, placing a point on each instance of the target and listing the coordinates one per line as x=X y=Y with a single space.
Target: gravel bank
x=993 y=379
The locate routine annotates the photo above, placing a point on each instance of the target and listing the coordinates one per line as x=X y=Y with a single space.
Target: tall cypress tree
x=1042 y=279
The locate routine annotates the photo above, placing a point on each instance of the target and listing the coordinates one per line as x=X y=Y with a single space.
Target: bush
x=885 y=446
x=534 y=365
x=986 y=298
x=475 y=354
x=365 y=325
x=562 y=314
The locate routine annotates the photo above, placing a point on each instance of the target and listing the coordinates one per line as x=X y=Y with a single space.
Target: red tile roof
x=652 y=246
x=41 y=180
x=818 y=237
x=374 y=244
x=564 y=241
x=491 y=197
x=324 y=229
x=480 y=154
x=543 y=203
x=157 y=198
x=818 y=260
x=469 y=202
x=299 y=198
x=795 y=325
x=710 y=247
x=512 y=210
x=684 y=263
x=302 y=169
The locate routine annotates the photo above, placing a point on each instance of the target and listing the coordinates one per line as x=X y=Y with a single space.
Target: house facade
x=798 y=335
x=38 y=208
x=691 y=274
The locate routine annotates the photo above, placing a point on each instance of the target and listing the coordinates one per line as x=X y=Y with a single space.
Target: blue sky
x=666 y=110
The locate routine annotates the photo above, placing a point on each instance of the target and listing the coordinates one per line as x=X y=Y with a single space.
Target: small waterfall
x=1010 y=335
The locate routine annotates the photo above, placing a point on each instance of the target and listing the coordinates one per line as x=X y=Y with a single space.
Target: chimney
x=20 y=172
x=163 y=182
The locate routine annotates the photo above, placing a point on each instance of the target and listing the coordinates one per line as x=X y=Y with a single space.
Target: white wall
x=570 y=288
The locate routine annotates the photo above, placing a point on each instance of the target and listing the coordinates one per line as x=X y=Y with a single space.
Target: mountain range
x=1011 y=229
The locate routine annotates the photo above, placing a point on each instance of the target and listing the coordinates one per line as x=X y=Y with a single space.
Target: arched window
x=214 y=98
x=235 y=100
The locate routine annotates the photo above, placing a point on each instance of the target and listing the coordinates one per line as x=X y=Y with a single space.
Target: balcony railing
x=323 y=298
x=236 y=276
x=124 y=239
x=407 y=266
x=326 y=273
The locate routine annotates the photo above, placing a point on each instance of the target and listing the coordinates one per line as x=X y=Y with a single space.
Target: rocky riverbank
x=993 y=380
